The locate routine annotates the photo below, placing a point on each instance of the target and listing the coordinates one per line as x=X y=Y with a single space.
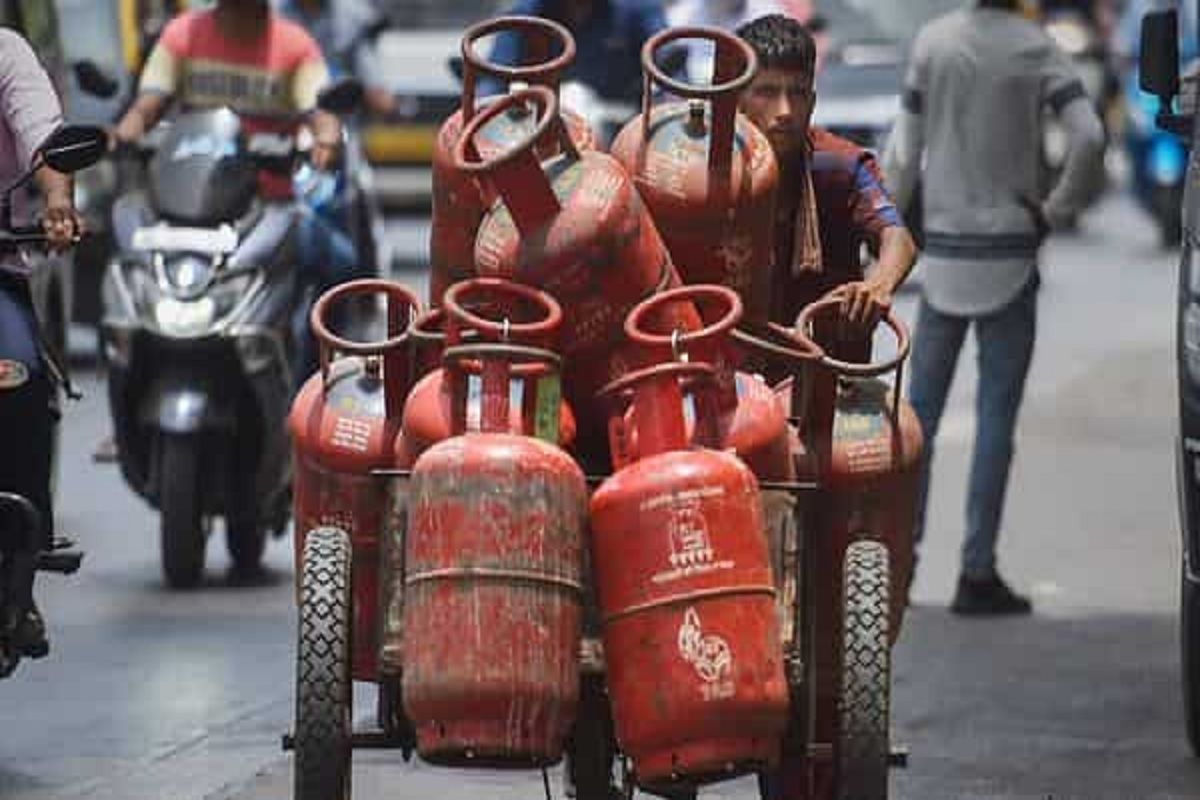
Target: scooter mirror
x=74 y=147
x=93 y=80
x=1158 y=66
x=343 y=96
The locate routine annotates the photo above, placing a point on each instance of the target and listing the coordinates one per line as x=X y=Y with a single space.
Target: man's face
x=780 y=103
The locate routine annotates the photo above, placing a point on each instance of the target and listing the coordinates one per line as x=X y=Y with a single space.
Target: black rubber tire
x=183 y=536
x=246 y=540
x=324 y=689
x=1189 y=641
x=863 y=744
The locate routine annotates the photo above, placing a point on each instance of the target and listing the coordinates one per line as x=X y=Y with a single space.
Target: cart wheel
x=863 y=707
x=324 y=690
x=1189 y=634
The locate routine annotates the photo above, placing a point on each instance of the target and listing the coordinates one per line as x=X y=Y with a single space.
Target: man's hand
x=864 y=303
x=61 y=222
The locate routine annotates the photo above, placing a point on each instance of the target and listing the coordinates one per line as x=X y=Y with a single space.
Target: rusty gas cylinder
x=683 y=577
x=493 y=582
x=749 y=419
x=343 y=424
x=458 y=202
x=707 y=174
x=483 y=309
x=575 y=227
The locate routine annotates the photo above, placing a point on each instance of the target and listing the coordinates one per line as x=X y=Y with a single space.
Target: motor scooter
x=196 y=334
x=25 y=547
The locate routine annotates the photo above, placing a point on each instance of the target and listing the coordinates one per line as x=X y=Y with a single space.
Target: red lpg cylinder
x=516 y=313
x=343 y=425
x=493 y=584
x=575 y=227
x=458 y=203
x=750 y=420
x=691 y=637
x=707 y=173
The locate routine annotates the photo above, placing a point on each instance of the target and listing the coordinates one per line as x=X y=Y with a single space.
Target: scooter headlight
x=184 y=317
x=188 y=274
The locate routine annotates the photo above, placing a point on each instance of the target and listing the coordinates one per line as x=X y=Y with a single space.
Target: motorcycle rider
x=244 y=56
x=29 y=112
x=831 y=197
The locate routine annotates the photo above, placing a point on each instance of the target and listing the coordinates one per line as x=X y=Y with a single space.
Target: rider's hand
x=61 y=222
x=324 y=155
x=864 y=303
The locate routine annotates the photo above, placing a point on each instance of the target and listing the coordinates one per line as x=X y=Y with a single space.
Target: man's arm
x=906 y=145
x=61 y=222
x=1085 y=154
x=157 y=87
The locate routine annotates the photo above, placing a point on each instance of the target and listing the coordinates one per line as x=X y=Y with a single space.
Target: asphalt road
x=156 y=694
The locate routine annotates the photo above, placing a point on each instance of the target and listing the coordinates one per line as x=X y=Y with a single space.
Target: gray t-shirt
x=979 y=87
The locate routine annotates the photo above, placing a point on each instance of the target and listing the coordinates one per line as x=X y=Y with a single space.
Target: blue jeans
x=1005 y=339
x=327 y=258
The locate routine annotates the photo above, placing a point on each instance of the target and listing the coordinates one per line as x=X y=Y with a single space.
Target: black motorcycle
x=197 y=306
x=25 y=548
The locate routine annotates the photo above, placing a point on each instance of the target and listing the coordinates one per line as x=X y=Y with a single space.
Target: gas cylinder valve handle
x=403 y=307
x=799 y=353
x=516 y=172
x=496 y=371
x=506 y=295
x=709 y=344
x=544 y=72
x=734 y=66
x=659 y=402
x=804 y=327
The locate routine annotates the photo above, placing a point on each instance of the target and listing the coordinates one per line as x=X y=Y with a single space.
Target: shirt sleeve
x=872 y=210
x=161 y=73
x=906 y=144
x=27 y=97
x=310 y=77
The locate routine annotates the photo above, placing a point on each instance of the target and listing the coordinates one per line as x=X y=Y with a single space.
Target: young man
x=831 y=196
x=978 y=83
x=268 y=70
x=30 y=113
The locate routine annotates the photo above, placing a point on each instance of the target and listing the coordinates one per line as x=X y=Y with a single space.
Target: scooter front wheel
x=183 y=535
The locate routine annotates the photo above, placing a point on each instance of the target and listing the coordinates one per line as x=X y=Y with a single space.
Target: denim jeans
x=1005 y=339
x=327 y=258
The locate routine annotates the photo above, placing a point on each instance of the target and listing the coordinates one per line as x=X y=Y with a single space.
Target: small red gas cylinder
x=458 y=203
x=683 y=577
x=575 y=227
x=482 y=309
x=705 y=171
x=343 y=425
x=493 y=582
x=750 y=420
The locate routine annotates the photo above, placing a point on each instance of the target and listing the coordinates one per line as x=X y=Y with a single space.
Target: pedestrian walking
x=980 y=82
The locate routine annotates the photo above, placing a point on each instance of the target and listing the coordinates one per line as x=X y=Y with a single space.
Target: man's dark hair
x=780 y=42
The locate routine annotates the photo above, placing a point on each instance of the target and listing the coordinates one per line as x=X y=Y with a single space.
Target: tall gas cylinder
x=706 y=172
x=575 y=227
x=687 y=604
x=458 y=203
x=477 y=310
x=748 y=418
x=493 y=582
x=343 y=425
